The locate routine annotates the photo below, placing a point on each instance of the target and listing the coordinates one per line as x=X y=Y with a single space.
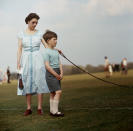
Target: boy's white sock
x=51 y=105
x=55 y=106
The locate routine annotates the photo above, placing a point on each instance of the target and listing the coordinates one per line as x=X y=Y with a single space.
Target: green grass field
x=88 y=104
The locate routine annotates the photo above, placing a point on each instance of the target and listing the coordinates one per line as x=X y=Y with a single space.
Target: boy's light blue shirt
x=52 y=56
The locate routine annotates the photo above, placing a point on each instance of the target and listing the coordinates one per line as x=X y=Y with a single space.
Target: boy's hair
x=49 y=35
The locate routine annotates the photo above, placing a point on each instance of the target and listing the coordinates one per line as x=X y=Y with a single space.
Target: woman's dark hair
x=31 y=16
x=49 y=35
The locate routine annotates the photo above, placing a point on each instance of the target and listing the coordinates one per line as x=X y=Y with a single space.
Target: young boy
x=54 y=72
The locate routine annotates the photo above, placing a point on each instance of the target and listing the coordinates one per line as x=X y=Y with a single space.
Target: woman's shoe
x=28 y=112
x=40 y=112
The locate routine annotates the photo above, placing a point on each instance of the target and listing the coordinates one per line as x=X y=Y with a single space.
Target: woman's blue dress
x=32 y=64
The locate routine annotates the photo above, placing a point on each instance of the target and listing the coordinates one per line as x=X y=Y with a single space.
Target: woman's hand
x=18 y=66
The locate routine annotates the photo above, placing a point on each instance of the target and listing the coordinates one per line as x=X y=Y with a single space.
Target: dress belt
x=31 y=50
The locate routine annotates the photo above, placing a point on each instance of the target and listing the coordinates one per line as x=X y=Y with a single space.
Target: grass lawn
x=88 y=104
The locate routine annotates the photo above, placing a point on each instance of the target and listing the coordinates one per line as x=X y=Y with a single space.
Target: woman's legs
x=28 y=100
x=40 y=100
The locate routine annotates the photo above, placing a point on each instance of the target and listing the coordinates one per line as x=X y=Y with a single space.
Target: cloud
x=51 y=7
x=60 y=14
x=110 y=7
x=100 y=7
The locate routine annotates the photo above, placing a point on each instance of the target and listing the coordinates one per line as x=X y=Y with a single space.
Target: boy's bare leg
x=52 y=95
x=57 y=95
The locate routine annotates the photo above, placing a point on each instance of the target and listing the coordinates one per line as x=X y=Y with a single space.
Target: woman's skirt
x=33 y=74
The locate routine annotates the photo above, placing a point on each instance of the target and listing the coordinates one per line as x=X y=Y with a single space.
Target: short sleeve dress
x=32 y=64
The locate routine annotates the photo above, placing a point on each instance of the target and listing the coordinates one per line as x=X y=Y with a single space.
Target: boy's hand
x=61 y=75
x=58 y=77
x=59 y=51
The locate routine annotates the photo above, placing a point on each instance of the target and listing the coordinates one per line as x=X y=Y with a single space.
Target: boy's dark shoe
x=58 y=114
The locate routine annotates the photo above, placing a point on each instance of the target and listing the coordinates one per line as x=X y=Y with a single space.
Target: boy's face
x=52 y=42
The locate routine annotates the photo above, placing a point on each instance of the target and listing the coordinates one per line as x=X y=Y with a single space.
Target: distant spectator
x=106 y=67
x=124 y=66
x=116 y=67
x=8 y=75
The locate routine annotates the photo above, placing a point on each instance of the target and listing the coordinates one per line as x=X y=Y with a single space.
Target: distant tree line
x=70 y=69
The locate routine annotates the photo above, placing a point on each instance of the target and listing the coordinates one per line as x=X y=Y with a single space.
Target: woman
x=29 y=59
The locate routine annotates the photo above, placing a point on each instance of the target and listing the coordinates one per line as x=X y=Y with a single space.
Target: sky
x=87 y=30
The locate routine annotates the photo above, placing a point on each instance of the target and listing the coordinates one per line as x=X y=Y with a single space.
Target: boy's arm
x=51 y=70
x=61 y=70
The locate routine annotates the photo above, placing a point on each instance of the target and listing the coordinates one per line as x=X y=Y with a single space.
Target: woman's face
x=32 y=23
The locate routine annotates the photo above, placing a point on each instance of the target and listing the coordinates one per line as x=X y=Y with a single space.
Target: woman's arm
x=44 y=43
x=51 y=70
x=19 y=53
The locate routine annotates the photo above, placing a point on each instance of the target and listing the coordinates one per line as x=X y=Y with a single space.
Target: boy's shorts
x=52 y=82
